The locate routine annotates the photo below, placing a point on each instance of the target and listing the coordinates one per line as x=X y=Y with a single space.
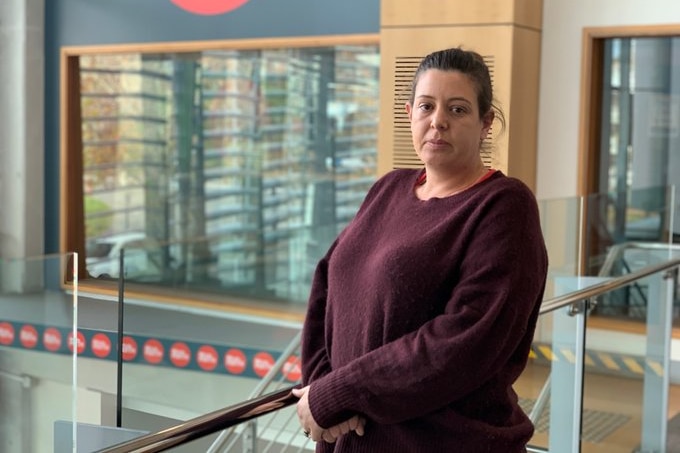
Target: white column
x=21 y=138
x=21 y=128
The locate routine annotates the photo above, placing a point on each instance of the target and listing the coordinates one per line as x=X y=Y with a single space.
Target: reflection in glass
x=226 y=170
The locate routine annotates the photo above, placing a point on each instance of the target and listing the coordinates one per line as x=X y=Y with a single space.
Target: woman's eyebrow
x=453 y=98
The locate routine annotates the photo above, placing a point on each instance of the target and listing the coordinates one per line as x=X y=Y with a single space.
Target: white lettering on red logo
x=28 y=335
x=180 y=354
x=100 y=345
x=206 y=357
x=129 y=348
x=6 y=333
x=80 y=340
x=52 y=339
x=262 y=363
x=291 y=369
x=153 y=351
x=235 y=361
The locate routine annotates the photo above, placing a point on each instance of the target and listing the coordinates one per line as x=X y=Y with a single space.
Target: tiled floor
x=612 y=403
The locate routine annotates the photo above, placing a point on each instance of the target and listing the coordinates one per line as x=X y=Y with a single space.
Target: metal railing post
x=566 y=406
x=657 y=363
x=250 y=438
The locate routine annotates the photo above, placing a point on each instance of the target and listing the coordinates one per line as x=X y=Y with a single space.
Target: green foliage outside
x=96 y=225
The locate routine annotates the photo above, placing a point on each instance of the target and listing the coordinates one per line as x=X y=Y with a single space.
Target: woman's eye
x=425 y=107
x=457 y=109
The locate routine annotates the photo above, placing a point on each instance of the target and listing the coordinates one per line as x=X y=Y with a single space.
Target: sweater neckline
x=422 y=177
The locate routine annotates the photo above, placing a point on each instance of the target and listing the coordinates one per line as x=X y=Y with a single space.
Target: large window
x=640 y=123
x=634 y=156
x=222 y=171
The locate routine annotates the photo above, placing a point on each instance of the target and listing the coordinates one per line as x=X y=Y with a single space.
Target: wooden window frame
x=71 y=200
x=589 y=128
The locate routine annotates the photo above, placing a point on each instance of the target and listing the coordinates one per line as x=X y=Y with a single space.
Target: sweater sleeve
x=315 y=360
x=315 y=354
x=484 y=332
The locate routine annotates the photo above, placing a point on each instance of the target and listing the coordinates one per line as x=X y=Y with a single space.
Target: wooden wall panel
x=522 y=106
x=503 y=31
x=404 y=13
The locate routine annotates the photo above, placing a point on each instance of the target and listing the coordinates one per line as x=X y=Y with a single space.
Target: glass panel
x=38 y=387
x=219 y=358
x=640 y=126
x=617 y=225
x=560 y=220
x=217 y=159
x=533 y=388
x=179 y=364
x=287 y=273
x=550 y=387
x=631 y=362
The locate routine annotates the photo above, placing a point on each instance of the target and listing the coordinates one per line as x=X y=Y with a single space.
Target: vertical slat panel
x=403 y=154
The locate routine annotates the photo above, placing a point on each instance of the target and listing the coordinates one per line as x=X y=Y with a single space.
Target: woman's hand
x=316 y=432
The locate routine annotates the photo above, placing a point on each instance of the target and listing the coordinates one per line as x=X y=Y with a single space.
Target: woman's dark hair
x=469 y=63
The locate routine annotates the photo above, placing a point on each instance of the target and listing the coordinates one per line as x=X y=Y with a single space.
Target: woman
x=422 y=312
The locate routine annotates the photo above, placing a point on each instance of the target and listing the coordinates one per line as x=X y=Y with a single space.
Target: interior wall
x=559 y=95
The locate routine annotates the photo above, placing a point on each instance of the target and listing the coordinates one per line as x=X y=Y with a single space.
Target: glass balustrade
x=39 y=393
x=181 y=363
x=617 y=337
x=180 y=357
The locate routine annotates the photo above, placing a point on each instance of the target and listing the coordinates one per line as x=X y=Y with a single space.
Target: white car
x=142 y=257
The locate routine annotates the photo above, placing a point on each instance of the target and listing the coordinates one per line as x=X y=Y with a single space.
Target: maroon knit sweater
x=421 y=316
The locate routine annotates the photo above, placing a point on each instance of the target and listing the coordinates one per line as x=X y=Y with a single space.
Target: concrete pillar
x=21 y=141
x=21 y=128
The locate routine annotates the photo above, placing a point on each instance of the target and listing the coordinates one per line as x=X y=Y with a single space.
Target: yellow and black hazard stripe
x=598 y=361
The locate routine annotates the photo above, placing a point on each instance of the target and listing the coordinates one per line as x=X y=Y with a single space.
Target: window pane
x=639 y=160
x=226 y=171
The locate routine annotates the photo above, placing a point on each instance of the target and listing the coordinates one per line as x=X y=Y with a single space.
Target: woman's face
x=445 y=123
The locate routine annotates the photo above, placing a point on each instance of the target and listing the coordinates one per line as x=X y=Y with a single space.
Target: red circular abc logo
x=180 y=354
x=209 y=7
x=52 y=339
x=28 y=335
x=262 y=363
x=206 y=357
x=129 y=348
x=235 y=361
x=80 y=342
x=100 y=344
x=153 y=351
x=291 y=369
x=6 y=333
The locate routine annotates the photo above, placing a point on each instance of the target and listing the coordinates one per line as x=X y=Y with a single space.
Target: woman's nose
x=439 y=120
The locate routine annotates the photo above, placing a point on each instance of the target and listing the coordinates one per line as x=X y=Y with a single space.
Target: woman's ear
x=409 y=110
x=487 y=121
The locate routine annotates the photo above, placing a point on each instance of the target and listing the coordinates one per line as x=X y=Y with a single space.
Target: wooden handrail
x=206 y=424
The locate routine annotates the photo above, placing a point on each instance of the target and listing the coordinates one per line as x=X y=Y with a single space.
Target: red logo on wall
x=100 y=345
x=209 y=7
x=52 y=339
x=153 y=351
x=180 y=354
x=6 y=333
x=28 y=336
x=129 y=348
x=81 y=342
x=235 y=361
x=291 y=369
x=206 y=357
x=262 y=363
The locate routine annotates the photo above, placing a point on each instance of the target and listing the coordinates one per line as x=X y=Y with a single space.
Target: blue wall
x=96 y=22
